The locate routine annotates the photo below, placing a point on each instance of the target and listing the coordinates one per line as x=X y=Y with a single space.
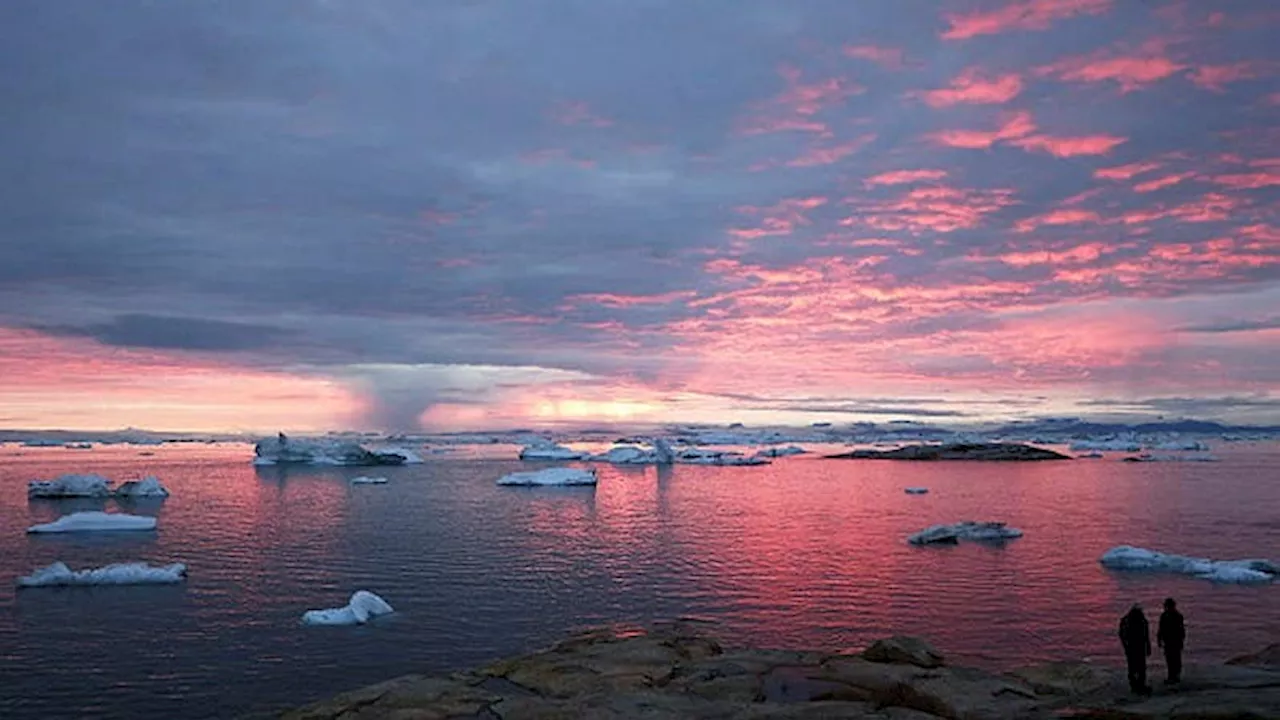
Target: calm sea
x=803 y=553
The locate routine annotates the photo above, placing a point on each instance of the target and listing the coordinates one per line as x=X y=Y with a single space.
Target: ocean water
x=803 y=553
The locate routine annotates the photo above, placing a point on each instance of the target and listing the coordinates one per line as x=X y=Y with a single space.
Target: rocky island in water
x=958 y=451
x=679 y=671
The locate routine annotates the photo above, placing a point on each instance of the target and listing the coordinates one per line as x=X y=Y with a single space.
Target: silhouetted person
x=1171 y=636
x=1135 y=636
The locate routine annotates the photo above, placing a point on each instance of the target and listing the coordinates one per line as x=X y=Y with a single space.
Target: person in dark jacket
x=1171 y=635
x=1135 y=636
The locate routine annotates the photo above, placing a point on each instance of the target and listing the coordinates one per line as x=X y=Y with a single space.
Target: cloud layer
x=463 y=214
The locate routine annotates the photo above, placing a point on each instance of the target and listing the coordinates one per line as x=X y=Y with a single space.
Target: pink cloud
x=1248 y=181
x=892 y=58
x=1064 y=147
x=972 y=87
x=778 y=219
x=614 y=300
x=1162 y=182
x=1125 y=172
x=904 y=177
x=831 y=154
x=1072 y=256
x=1057 y=217
x=1020 y=15
x=809 y=99
x=1130 y=72
x=1015 y=125
x=930 y=209
x=1217 y=77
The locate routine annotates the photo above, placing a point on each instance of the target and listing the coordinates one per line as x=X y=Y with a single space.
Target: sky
x=420 y=214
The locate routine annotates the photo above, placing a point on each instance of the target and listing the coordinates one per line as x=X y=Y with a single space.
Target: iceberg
x=967 y=530
x=1127 y=557
x=92 y=521
x=550 y=477
x=916 y=490
x=282 y=450
x=777 y=452
x=726 y=459
x=1149 y=457
x=147 y=487
x=70 y=486
x=1107 y=445
x=626 y=455
x=409 y=457
x=58 y=574
x=1176 y=445
x=542 y=449
x=365 y=480
x=362 y=607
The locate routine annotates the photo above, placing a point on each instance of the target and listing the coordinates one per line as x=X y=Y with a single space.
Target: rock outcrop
x=990 y=452
x=680 y=671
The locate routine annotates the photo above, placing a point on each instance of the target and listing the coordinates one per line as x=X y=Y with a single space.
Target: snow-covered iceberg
x=549 y=477
x=968 y=530
x=916 y=490
x=1126 y=557
x=363 y=606
x=626 y=455
x=283 y=450
x=542 y=449
x=93 y=521
x=148 y=487
x=70 y=486
x=366 y=480
x=777 y=452
x=59 y=574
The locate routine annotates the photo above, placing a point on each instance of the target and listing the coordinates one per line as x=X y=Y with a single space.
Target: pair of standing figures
x=1135 y=636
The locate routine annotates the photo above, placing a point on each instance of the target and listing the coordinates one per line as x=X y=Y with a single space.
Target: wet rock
x=1069 y=678
x=904 y=649
x=1267 y=657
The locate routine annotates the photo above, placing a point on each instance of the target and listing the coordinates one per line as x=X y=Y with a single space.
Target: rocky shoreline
x=679 y=670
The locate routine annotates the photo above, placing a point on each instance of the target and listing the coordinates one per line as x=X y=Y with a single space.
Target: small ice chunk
x=70 y=486
x=59 y=574
x=1175 y=445
x=550 y=476
x=95 y=521
x=1127 y=557
x=626 y=455
x=967 y=530
x=365 y=480
x=916 y=490
x=363 y=606
x=1107 y=445
x=147 y=487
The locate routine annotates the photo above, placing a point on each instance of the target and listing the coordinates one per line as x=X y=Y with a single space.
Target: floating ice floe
x=550 y=477
x=363 y=606
x=1126 y=557
x=777 y=452
x=1090 y=456
x=365 y=480
x=546 y=450
x=726 y=459
x=968 y=530
x=58 y=574
x=70 y=486
x=147 y=487
x=626 y=455
x=282 y=450
x=916 y=490
x=94 y=521
x=1111 y=445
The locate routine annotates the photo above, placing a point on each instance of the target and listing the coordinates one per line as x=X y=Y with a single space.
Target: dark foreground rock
x=680 y=671
x=957 y=451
